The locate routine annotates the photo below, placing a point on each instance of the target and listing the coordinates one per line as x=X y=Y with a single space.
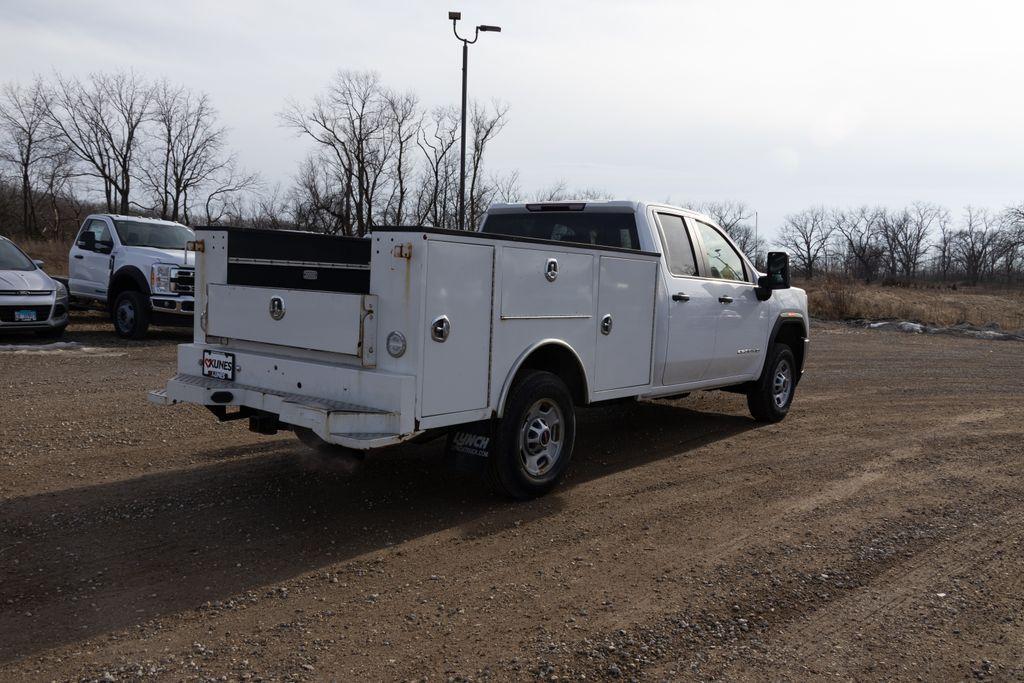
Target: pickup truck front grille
x=183 y=281
x=7 y=312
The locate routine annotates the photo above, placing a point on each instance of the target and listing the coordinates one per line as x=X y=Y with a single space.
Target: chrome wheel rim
x=125 y=316
x=541 y=437
x=782 y=384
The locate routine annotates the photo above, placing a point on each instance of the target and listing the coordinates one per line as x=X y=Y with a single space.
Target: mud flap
x=469 y=446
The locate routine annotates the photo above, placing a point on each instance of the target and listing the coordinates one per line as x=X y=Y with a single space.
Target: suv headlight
x=60 y=292
x=160 y=278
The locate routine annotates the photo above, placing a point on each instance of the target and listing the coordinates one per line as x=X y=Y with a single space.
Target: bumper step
x=347 y=424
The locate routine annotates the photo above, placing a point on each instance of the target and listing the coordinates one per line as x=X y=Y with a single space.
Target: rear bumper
x=344 y=405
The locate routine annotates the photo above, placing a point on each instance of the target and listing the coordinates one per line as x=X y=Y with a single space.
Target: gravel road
x=875 y=534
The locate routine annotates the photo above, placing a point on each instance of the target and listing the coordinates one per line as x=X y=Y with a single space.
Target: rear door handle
x=680 y=297
x=725 y=299
x=79 y=256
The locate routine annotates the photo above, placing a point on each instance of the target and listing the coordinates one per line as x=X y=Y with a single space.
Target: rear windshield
x=580 y=227
x=11 y=258
x=159 y=235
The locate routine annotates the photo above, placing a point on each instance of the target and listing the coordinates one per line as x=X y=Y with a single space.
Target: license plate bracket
x=219 y=365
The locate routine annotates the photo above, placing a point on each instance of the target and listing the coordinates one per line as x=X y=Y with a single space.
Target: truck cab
x=136 y=268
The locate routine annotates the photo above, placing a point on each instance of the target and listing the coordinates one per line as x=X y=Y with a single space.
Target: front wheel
x=770 y=396
x=131 y=315
x=535 y=437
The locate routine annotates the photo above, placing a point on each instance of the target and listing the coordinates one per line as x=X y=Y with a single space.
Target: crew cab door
x=692 y=309
x=89 y=260
x=742 y=320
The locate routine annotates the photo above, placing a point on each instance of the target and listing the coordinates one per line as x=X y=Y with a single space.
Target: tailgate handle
x=440 y=328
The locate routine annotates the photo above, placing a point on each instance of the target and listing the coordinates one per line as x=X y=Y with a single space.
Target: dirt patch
x=874 y=534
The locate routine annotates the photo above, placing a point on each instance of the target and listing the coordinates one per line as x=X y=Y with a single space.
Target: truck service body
x=362 y=343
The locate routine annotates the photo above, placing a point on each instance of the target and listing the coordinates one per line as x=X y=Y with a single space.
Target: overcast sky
x=779 y=104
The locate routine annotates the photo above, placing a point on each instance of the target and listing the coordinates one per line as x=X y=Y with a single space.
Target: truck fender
x=126 y=277
x=793 y=325
x=525 y=355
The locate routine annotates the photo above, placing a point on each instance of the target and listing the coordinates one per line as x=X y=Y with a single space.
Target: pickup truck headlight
x=160 y=278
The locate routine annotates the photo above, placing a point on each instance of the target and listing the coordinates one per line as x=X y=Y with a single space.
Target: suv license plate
x=219 y=365
x=28 y=316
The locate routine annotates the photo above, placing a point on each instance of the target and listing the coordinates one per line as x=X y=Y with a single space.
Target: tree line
x=920 y=241
x=119 y=143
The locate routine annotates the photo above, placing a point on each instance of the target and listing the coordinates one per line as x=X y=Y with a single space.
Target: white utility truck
x=135 y=268
x=493 y=336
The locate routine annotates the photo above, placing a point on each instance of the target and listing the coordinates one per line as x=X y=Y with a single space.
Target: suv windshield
x=158 y=235
x=12 y=258
x=580 y=227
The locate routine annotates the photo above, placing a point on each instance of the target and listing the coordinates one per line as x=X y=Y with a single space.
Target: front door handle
x=725 y=299
x=79 y=256
x=679 y=296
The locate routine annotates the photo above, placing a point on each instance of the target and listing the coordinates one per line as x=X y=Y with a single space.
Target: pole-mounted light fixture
x=454 y=17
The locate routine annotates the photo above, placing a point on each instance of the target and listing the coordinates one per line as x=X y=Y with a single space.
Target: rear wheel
x=131 y=315
x=770 y=396
x=535 y=437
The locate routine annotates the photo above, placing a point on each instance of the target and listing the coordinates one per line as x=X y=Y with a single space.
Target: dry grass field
x=937 y=305
x=53 y=252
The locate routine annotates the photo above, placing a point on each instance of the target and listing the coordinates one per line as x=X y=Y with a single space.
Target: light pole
x=455 y=16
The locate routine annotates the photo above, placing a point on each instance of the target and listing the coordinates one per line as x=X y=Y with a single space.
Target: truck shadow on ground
x=82 y=562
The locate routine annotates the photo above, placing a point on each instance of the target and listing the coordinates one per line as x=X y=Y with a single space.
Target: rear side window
x=578 y=227
x=678 y=248
x=723 y=261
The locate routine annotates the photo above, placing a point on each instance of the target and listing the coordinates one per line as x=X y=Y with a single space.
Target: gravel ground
x=876 y=534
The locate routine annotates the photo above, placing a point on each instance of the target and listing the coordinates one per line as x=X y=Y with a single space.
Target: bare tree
x=226 y=190
x=437 y=195
x=25 y=141
x=860 y=231
x=100 y=121
x=806 y=235
x=350 y=124
x=188 y=152
x=404 y=123
x=486 y=124
x=975 y=240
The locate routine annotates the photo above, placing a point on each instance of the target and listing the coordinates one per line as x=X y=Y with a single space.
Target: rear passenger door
x=693 y=311
x=740 y=330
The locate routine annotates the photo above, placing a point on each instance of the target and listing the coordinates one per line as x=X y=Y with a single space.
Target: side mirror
x=87 y=241
x=777 y=276
x=38 y=262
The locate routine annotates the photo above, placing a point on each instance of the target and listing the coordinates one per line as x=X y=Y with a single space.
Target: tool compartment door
x=626 y=292
x=459 y=286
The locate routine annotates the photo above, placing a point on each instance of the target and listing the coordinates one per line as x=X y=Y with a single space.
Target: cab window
x=724 y=262
x=678 y=248
x=100 y=232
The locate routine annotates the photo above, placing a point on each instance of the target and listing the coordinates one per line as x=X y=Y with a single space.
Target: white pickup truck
x=493 y=336
x=136 y=268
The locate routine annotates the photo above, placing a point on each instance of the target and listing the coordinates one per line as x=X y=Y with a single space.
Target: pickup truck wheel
x=131 y=315
x=771 y=395
x=309 y=438
x=535 y=437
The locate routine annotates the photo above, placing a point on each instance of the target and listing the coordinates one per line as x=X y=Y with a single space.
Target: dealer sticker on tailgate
x=219 y=365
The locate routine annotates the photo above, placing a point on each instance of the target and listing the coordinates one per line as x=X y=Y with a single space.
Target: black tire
x=771 y=395
x=131 y=315
x=310 y=439
x=537 y=399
